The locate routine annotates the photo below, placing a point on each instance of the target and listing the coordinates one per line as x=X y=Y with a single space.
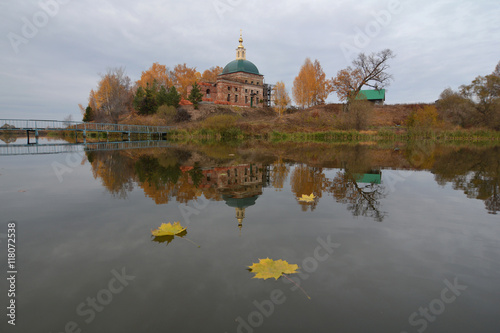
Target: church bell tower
x=241 y=51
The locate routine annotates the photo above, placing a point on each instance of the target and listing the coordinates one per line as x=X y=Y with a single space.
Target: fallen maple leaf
x=169 y=238
x=268 y=268
x=168 y=229
x=307 y=198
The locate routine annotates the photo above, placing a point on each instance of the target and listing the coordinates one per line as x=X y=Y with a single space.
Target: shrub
x=425 y=118
x=169 y=113
x=182 y=115
x=358 y=116
x=220 y=123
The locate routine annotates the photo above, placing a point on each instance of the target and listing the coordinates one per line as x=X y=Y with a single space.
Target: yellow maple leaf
x=307 y=198
x=269 y=268
x=168 y=229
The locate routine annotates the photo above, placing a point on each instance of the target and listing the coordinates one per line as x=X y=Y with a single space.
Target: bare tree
x=368 y=70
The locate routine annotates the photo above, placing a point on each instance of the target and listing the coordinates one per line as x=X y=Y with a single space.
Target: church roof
x=241 y=66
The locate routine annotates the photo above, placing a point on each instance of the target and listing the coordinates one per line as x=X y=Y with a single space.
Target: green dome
x=240 y=66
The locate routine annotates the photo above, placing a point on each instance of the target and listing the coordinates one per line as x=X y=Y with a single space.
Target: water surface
x=397 y=239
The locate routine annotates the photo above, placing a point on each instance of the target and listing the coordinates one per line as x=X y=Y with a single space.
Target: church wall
x=233 y=85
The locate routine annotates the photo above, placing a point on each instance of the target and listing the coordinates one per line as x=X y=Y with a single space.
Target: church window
x=228 y=97
x=246 y=99
x=236 y=98
x=229 y=88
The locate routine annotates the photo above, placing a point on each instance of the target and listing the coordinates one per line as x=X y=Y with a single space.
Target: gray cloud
x=438 y=44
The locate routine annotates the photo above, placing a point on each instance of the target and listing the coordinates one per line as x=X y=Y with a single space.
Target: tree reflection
x=476 y=172
x=279 y=173
x=306 y=180
x=361 y=199
x=175 y=174
x=115 y=171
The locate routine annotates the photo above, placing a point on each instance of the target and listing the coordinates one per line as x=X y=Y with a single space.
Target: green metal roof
x=368 y=178
x=372 y=94
x=240 y=66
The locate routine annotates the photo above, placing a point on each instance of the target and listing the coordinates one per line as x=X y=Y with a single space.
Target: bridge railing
x=55 y=125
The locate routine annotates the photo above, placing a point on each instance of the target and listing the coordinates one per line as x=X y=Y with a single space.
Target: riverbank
x=324 y=123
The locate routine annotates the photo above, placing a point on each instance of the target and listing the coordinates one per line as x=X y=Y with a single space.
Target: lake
x=395 y=238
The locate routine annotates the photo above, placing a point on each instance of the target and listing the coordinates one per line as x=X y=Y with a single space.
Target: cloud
x=438 y=44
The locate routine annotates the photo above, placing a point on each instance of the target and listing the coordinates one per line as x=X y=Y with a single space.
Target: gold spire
x=240 y=51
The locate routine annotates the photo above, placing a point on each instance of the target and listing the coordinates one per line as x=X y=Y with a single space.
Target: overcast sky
x=52 y=51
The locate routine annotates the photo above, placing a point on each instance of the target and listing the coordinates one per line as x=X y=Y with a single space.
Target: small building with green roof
x=375 y=96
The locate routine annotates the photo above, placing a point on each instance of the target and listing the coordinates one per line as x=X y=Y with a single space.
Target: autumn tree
x=310 y=87
x=280 y=97
x=210 y=75
x=367 y=70
x=113 y=96
x=195 y=96
x=184 y=77
x=158 y=76
x=475 y=104
x=456 y=108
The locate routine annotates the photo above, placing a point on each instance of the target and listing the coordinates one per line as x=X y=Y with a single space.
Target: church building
x=240 y=83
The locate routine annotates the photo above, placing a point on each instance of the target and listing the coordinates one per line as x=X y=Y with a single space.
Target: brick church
x=240 y=83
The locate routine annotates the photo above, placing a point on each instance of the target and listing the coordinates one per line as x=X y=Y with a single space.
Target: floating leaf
x=169 y=238
x=268 y=268
x=307 y=198
x=168 y=229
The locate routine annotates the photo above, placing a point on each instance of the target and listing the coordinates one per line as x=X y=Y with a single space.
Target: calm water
x=397 y=239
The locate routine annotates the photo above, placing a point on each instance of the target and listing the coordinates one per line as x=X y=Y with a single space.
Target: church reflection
x=239 y=185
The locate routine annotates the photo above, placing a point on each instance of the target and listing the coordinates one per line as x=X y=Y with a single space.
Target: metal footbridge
x=37 y=126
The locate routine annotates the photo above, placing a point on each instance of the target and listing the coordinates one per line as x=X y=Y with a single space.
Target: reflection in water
x=306 y=180
x=361 y=193
x=175 y=174
x=475 y=172
x=168 y=238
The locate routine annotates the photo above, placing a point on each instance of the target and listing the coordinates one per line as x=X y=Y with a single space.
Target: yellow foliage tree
x=184 y=77
x=113 y=96
x=310 y=87
x=157 y=73
x=280 y=97
x=210 y=75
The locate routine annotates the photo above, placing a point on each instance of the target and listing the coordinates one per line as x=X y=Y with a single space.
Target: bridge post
x=36 y=135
